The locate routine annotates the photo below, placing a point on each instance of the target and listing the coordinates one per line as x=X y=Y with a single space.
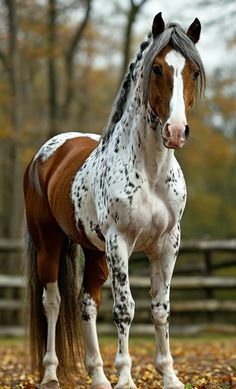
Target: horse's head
x=176 y=71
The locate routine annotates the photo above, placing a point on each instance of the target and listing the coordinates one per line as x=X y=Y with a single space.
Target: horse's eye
x=157 y=69
x=196 y=74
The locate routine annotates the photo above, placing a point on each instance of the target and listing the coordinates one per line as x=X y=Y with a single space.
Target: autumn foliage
x=201 y=364
x=59 y=73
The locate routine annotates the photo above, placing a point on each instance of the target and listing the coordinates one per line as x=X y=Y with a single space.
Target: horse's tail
x=69 y=339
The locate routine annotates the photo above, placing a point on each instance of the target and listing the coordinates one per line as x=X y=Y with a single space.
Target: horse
x=104 y=197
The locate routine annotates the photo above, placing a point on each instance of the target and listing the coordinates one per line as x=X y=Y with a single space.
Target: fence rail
x=208 y=296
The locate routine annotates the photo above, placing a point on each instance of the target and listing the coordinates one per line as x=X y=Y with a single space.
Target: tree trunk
x=127 y=41
x=69 y=60
x=12 y=201
x=52 y=72
x=11 y=172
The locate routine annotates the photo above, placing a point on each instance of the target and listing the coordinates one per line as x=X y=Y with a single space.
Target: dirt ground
x=200 y=363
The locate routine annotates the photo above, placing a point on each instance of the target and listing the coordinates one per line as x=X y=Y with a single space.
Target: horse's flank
x=48 y=180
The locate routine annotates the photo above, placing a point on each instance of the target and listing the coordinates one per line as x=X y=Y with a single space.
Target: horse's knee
x=123 y=312
x=160 y=312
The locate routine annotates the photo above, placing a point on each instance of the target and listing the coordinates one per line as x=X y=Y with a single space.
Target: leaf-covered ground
x=201 y=364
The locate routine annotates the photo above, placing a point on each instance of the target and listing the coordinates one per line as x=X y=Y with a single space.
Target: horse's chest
x=129 y=203
x=160 y=209
x=153 y=217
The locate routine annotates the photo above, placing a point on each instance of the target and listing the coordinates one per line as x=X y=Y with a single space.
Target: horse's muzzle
x=175 y=136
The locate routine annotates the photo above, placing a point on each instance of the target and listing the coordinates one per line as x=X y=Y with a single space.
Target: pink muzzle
x=175 y=135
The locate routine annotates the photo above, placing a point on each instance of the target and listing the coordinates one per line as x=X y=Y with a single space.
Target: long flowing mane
x=124 y=91
x=174 y=36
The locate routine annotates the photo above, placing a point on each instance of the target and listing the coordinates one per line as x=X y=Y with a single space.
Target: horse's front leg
x=118 y=251
x=162 y=266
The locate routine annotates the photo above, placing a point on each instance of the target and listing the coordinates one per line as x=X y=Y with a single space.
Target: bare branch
x=131 y=17
x=76 y=38
x=138 y=5
x=69 y=57
x=142 y=2
x=52 y=69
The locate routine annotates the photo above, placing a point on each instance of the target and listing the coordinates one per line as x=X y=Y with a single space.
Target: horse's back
x=48 y=180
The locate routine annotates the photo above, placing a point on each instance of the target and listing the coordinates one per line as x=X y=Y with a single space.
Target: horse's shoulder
x=65 y=141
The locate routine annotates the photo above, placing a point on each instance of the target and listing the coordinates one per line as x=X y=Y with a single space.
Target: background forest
x=61 y=63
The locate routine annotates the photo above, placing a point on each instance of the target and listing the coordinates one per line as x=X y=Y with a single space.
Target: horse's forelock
x=175 y=36
x=183 y=44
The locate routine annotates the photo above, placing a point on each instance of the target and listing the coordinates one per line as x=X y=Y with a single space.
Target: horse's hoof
x=176 y=385
x=127 y=385
x=50 y=385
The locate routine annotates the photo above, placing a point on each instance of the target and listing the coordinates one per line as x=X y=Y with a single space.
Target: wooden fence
x=203 y=296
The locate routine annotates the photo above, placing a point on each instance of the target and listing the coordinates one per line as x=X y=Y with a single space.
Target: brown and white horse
x=111 y=196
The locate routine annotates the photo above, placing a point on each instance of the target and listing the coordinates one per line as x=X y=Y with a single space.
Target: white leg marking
x=51 y=303
x=162 y=266
x=93 y=360
x=118 y=250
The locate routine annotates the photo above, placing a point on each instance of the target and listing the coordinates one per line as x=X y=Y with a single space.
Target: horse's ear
x=158 y=25
x=194 y=31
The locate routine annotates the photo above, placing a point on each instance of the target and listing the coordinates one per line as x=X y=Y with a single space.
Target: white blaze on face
x=177 y=106
x=174 y=129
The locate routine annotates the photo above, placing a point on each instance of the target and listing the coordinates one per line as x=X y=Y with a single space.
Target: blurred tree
x=223 y=102
x=70 y=52
x=52 y=69
x=209 y=165
x=131 y=15
x=10 y=214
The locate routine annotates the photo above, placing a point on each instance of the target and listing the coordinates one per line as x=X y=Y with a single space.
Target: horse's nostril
x=186 y=131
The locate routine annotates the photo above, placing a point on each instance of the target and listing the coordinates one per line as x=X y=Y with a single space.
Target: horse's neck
x=139 y=141
x=157 y=158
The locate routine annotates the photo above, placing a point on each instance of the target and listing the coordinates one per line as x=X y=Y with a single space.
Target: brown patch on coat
x=49 y=209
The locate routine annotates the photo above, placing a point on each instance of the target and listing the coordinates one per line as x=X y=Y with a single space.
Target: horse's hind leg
x=95 y=274
x=51 y=303
x=48 y=255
